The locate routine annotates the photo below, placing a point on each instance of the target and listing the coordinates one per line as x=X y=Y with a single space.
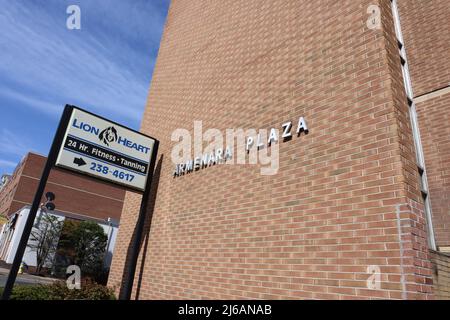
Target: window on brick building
x=414 y=125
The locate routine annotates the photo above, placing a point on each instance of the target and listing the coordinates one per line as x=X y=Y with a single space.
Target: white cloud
x=59 y=66
x=46 y=107
x=13 y=145
x=7 y=163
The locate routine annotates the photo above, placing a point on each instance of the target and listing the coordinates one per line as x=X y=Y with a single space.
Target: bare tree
x=44 y=239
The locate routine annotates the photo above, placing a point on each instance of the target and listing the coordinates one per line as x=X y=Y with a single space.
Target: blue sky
x=105 y=67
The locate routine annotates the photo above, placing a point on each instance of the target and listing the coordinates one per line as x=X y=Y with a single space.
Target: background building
x=359 y=207
x=78 y=198
x=427 y=44
x=75 y=194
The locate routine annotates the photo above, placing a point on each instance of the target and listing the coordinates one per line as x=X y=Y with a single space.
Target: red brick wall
x=434 y=120
x=441 y=274
x=74 y=193
x=414 y=243
x=425 y=27
x=346 y=195
x=8 y=191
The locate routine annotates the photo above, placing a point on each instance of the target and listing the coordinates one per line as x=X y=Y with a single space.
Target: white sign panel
x=106 y=150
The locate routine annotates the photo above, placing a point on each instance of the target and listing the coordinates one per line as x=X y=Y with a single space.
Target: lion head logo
x=108 y=135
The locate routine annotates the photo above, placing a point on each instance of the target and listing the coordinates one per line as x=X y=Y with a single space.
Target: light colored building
x=77 y=197
x=12 y=231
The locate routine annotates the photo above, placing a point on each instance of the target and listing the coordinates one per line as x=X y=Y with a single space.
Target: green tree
x=44 y=239
x=88 y=241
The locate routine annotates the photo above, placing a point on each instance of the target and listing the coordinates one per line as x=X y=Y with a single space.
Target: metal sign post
x=91 y=145
x=57 y=141
x=131 y=270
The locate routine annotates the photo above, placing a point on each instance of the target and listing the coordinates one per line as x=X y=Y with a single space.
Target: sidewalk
x=3 y=271
x=25 y=279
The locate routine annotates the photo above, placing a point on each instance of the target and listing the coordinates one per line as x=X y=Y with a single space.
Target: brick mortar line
x=63 y=211
x=174 y=265
x=433 y=94
x=297 y=229
x=291 y=290
x=76 y=189
x=400 y=233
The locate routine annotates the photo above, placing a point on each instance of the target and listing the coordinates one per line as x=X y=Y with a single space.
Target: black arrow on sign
x=79 y=161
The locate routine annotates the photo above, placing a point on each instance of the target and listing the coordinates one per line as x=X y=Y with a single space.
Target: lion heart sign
x=103 y=149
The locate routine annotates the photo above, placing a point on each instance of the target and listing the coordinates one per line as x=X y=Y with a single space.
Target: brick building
x=77 y=197
x=75 y=194
x=359 y=207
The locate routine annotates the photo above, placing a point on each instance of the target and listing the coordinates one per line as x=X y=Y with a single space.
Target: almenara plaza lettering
x=222 y=155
